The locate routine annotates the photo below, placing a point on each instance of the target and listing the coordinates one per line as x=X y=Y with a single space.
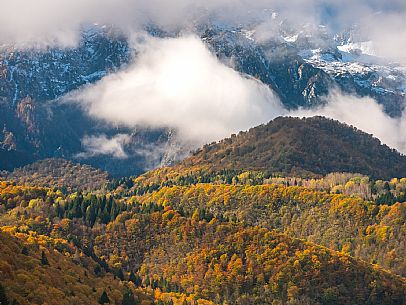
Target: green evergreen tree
x=3 y=297
x=77 y=207
x=97 y=270
x=113 y=212
x=120 y=274
x=83 y=208
x=24 y=250
x=44 y=259
x=59 y=210
x=128 y=298
x=104 y=298
x=91 y=214
x=109 y=205
x=136 y=279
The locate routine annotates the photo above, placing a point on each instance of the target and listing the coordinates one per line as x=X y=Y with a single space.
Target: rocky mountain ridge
x=301 y=67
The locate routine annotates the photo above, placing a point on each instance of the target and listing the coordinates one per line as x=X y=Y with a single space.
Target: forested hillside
x=59 y=173
x=153 y=153
x=302 y=146
x=38 y=269
x=372 y=232
x=212 y=243
x=223 y=227
x=233 y=264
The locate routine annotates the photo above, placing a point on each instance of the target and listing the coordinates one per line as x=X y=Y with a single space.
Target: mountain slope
x=310 y=145
x=365 y=230
x=299 y=66
x=37 y=269
x=198 y=256
x=36 y=125
x=302 y=63
x=216 y=243
x=226 y=262
x=59 y=173
x=10 y=159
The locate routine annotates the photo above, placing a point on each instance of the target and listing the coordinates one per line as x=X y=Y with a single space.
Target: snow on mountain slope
x=301 y=64
x=46 y=75
x=369 y=74
x=36 y=126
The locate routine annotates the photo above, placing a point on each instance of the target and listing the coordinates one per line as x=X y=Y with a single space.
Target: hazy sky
x=50 y=22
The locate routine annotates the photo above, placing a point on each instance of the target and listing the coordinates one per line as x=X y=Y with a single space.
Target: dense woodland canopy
x=153 y=246
x=298 y=146
x=59 y=173
x=215 y=229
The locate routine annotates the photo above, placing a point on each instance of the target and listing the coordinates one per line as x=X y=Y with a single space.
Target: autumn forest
x=239 y=222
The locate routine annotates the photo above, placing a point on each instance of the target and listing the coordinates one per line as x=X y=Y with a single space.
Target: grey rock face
x=299 y=67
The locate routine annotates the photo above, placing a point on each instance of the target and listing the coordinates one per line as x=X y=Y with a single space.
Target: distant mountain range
x=300 y=67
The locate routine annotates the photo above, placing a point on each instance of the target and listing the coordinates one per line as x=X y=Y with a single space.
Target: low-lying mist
x=177 y=83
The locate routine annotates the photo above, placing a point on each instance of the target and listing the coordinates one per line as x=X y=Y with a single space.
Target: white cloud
x=49 y=22
x=104 y=145
x=365 y=114
x=43 y=23
x=178 y=83
x=388 y=35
